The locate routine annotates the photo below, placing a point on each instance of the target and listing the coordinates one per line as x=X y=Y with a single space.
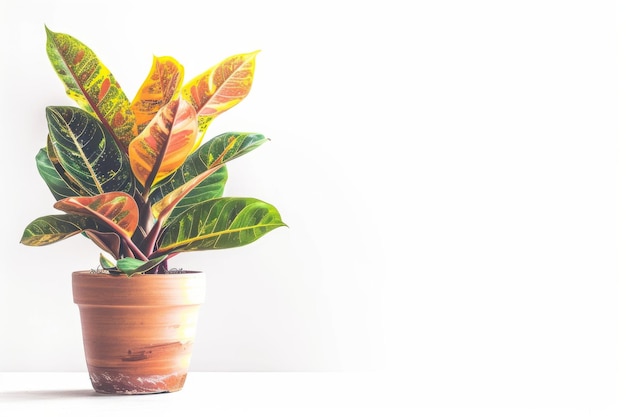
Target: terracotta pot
x=138 y=332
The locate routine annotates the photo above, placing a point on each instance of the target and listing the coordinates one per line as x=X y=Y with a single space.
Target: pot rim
x=102 y=289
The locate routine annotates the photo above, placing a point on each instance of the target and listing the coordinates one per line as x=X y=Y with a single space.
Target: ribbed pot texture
x=138 y=332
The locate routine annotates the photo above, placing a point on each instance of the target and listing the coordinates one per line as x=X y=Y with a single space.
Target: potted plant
x=138 y=179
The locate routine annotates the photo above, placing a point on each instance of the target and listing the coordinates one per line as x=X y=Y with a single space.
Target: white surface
x=449 y=171
x=254 y=394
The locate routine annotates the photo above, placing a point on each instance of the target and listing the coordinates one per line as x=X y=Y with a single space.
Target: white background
x=452 y=174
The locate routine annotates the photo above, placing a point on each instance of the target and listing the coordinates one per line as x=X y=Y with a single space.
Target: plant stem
x=135 y=251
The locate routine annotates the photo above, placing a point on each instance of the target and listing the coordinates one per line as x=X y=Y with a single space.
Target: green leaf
x=105 y=263
x=211 y=187
x=164 y=208
x=50 y=229
x=87 y=152
x=91 y=85
x=132 y=266
x=229 y=146
x=54 y=159
x=219 y=224
x=57 y=185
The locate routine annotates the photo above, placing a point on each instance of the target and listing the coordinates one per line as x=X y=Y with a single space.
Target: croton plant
x=137 y=177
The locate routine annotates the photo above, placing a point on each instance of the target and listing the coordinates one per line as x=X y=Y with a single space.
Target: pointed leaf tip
x=220 y=87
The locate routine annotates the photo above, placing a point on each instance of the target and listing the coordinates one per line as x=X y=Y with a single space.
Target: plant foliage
x=137 y=177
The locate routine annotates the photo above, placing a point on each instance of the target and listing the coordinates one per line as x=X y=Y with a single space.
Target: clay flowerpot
x=138 y=332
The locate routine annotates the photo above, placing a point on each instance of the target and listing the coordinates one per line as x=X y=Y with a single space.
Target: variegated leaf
x=54 y=159
x=221 y=87
x=228 y=146
x=87 y=152
x=91 y=85
x=210 y=187
x=164 y=144
x=50 y=229
x=163 y=209
x=57 y=185
x=219 y=224
x=160 y=86
x=118 y=210
x=221 y=149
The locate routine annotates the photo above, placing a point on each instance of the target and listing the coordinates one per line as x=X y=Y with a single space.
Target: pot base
x=115 y=382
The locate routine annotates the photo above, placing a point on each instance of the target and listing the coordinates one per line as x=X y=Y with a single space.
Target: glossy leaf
x=57 y=185
x=161 y=85
x=87 y=152
x=54 y=159
x=220 y=149
x=219 y=224
x=132 y=266
x=209 y=188
x=91 y=85
x=164 y=144
x=50 y=229
x=135 y=178
x=118 y=210
x=163 y=209
x=221 y=87
x=228 y=146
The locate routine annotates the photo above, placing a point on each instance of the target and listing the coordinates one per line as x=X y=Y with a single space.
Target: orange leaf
x=117 y=209
x=160 y=86
x=164 y=144
x=221 y=87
